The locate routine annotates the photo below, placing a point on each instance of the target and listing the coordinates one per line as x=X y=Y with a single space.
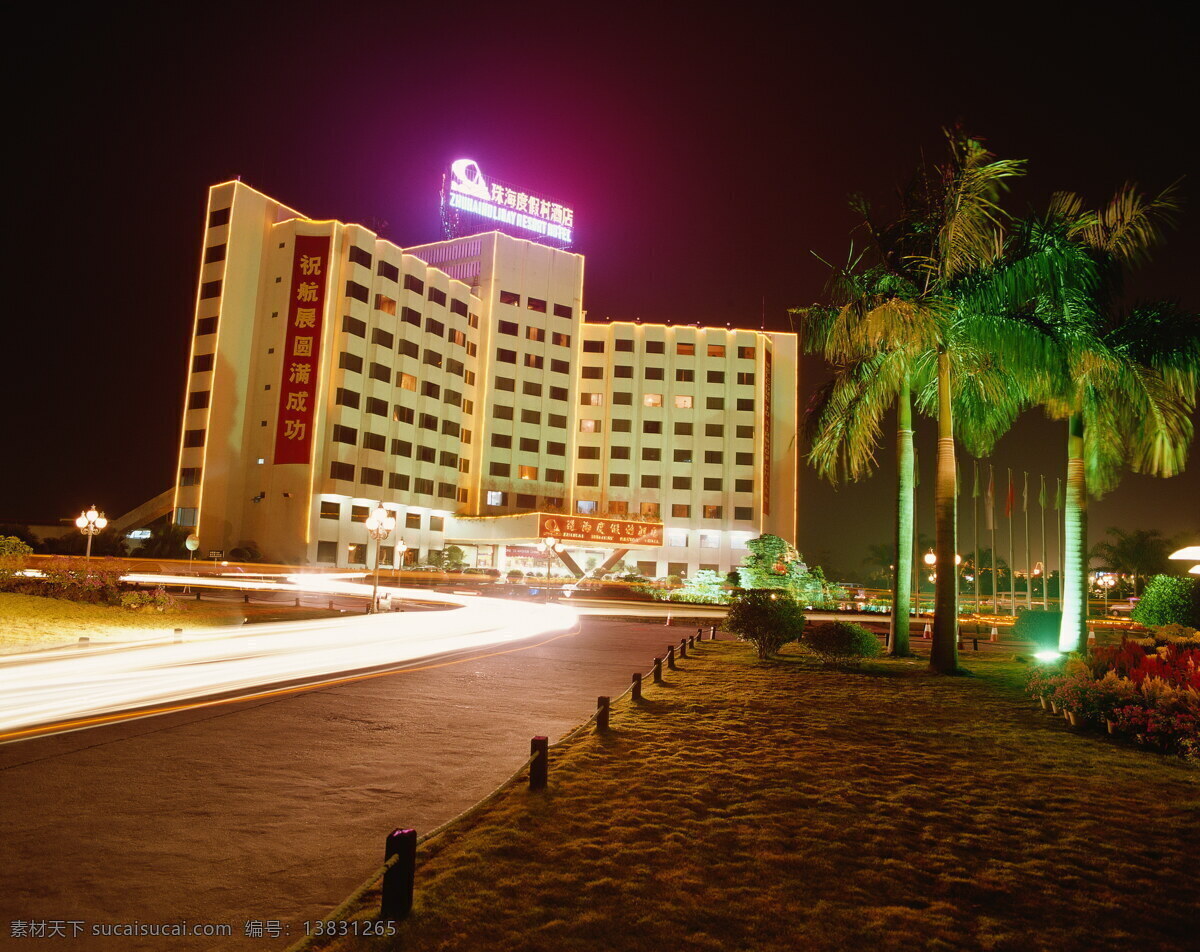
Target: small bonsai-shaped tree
x=767 y=618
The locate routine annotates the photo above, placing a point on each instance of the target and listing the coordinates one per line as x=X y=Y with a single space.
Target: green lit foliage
x=704 y=587
x=841 y=642
x=1038 y=626
x=767 y=618
x=1140 y=553
x=773 y=564
x=14 y=555
x=1170 y=599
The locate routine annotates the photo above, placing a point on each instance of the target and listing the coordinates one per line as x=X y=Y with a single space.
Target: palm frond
x=1131 y=224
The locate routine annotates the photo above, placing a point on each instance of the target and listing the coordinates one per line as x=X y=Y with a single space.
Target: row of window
x=625 y=345
x=650 y=510
x=712 y=484
x=535 y=304
x=411 y=282
x=655 y=426
x=654 y=454
x=331 y=509
x=682 y=401
x=369 y=476
x=682 y=374
x=537 y=334
x=358 y=328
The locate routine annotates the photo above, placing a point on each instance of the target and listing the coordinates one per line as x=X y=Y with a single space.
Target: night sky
x=706 y=160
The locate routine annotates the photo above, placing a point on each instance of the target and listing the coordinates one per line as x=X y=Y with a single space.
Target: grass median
x=779 y=806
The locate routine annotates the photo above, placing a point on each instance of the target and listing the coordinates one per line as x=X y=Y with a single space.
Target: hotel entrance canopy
x=573 y=530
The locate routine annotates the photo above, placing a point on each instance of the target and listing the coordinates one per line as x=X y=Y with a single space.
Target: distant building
x=459 y=383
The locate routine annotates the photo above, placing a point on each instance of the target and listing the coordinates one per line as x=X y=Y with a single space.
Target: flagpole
x=991 y=503
x=1045 y=564
x=975 y=534
x=1028 y=557
x=1058 y=525
x=1012 y=553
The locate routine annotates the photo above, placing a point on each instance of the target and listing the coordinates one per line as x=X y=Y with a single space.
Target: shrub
x=1040 y=627
x=767 y=618
x=13 y=556
x=1169 y=599
x=841 y=642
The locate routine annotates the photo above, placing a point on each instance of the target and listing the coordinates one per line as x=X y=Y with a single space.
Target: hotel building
x=460 y=384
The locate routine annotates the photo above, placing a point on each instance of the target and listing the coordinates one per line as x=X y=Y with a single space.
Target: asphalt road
x=275 y=809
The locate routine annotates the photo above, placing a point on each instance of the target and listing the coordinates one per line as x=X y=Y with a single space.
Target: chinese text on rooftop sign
x=468 y=193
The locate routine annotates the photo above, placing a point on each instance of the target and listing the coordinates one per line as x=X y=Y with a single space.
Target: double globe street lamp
x=89 y=524
x=379 y=526
x=551 y=546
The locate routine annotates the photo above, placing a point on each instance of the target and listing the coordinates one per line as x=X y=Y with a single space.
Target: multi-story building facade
x=459 y=384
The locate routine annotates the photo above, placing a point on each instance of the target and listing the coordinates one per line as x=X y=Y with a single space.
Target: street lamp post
x=930 y=559
x=379 y=526
x=89 y=524
x=550 y=546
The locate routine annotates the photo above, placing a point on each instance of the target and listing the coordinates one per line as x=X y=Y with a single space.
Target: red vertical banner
x=302 y=351
x=767 y=424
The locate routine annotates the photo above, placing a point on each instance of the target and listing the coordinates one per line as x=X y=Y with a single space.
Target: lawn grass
x=782 y=806
x=32 y=622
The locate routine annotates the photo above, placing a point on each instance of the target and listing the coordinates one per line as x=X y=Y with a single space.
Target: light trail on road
x=49 y=687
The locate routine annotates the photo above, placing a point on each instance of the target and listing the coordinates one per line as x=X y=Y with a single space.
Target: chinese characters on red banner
x=615 y=532
x=302 y=351
x=766 y=460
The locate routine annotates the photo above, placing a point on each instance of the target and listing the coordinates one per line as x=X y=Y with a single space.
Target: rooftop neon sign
x=467 y=195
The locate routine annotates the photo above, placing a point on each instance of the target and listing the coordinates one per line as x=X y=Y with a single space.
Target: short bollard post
x=397 y=898
x=699 y=635
x=975 y=642
x=197 y=596
x=712 y=635
x=297 y=601
x=671 y=657
x=683 y=647
x=602 y=709
x=331 y=604
x=539 y=770
x=178 y=635
x=246 y=598
x=658 y=670
x=636 y=693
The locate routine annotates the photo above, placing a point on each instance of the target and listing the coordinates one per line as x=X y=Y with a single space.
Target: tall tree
x=1140 y=553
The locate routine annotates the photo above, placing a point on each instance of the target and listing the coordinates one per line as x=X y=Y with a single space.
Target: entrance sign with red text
x=302 y=351
x=609 y=532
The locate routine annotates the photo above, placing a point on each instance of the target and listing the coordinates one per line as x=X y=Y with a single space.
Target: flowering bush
x=1168 y=732
x=159 y=600
x=75 y=579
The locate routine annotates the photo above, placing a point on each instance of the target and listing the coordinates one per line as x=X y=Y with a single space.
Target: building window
x=508 y=297
x=685 y=376
x=592 y=373
x=185 y=517
x=433 y=358
x=389 y=271
x=534 y=333
x=715 y=403
x=714 y=429
x=585 y=507
x=410 y=316
x=202 y=363
x=650 y=482
x=380 y=372
x=359 y=513
x=341 y=471
x=683 y=402
x=215 y=220
x=622 y=426
x=651 y=453
x=412 y=520
x=746 y=353
x=649 y=509
x=537 y=304
x=508 y=327
x=743 y=459
x=501 y=412
x=655 y=347
x=374 y=441
x=210 y=289
x=437 y=523
x=618 y=479
x=436 y=328
x=685 y=350
x=345 y=434
x=623 y=371
x=206 y=325
x=430 y=389
x=681 y=456
x=587 y=479
x=406 y=382
x=458 y=307
x=648 y=426
x=371 y=477
x=413 y=283
x=499 y=469
x=716 y=350
x=495 y=498
x=193 y=438
x=357 y=292
x=746 y=379
x=507 y=384
x=534 y=361
x=677 y=537
x=745 y=432
x=558 y=393
x=710 y=540
x=652 y=399
x=189 y=476
x=327 y=552
x=557 y=420
x=428 y=421
x=681 y=511
x=591 y=426
x=618 y=508
x=654 y=373
x=502 y=441
x=356 y=553
x=713 y=484
x=743 y=513
x=437 y=296
x=681 y=482
x=589 y=452
x=621 y=399
x=506 y=356
x=712 y=512
x=423 y=487
x=619 y=452
x=398 y=481
x=593 y=347
x=745 y=403
x=743 y=485
x=351 y=362
x=562 y=310
x=214 y=254
x=401 y=448
x=683 y=429
x=383 y=338
x=402 y=414
x=561 y=340
x=198 y=399
x=331 y=510
x=408 y=348
x=623 y=344
x=714 y=456
x=591 y=399
x=527 y=472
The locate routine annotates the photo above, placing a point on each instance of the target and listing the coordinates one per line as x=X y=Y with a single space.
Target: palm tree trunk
x=943 y=657
x=1074 y=557
x=902 y=576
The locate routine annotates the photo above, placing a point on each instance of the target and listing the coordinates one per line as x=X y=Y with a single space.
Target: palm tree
x=931 y=322
x=1125 y=380
x=1140 y=553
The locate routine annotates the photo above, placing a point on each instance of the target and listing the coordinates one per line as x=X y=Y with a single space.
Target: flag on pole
x=1042 y=493
x=1011 y=499
x=975 y=491
x=1060 y=498
x=989 y=502
x=1025 y=495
